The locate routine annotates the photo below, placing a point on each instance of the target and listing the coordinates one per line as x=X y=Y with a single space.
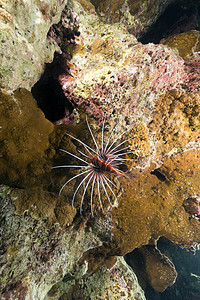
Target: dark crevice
x=49 y=95
x=178 y=17
x=47 y=91
x=136 y=261
x=51 y=99
x=158 y=174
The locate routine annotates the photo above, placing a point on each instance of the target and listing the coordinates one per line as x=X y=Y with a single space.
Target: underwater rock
x=142 y=89
x=110 y=71
x=192 y=68
x=24 y=140
x=24 y=45
x=34 y=255
x=152 y=267
x=187 y=265
x=192 y=206
x=175 y=121
x=118 y=282
x=160 y=270
x=150 y=207
x=138 y=15
x=187 y=43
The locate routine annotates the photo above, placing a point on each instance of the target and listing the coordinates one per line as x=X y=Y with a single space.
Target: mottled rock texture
x=175 y=120
x=24 y=139
x=187 y=45
x=34 y=255
x=112 y=72
x=117 y=283
x=145 y=92
x=137 y=15
x=23 y=37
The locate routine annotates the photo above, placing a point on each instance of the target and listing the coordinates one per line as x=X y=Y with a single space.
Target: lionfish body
x=102 y=165
x=98 y=165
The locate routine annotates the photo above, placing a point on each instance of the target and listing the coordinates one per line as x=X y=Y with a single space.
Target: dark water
x=187 y=285
x=180 y=16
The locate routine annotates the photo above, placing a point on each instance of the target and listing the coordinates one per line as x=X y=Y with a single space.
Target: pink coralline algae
x=66 y=31
x=124 y=86
x=192 y=69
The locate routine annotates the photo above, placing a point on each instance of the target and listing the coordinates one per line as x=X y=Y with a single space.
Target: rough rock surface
x=117 y=283
x=188 y=267
x=152 y=268
x=183 y=109
x=123 y=76
x=24 y=44
x=143 y=89
x=35 y=256
x=137 y=15
x=24 y=139
x=187 y=45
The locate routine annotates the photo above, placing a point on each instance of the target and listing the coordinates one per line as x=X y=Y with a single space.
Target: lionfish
x=99 y=162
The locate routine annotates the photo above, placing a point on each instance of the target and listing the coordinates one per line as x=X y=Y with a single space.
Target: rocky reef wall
x=79 y=89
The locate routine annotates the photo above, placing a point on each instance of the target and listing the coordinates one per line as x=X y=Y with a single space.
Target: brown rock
x=176 y=120
x=110 y=8
x=186 y=43
x=86 y=5
x=151 y=203
x=152 y=267
x=24 y=138
x=160 y=270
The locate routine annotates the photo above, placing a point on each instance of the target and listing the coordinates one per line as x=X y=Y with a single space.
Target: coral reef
x=150 y=95
x=183 y=109
x=36 y=256
x=120 y=71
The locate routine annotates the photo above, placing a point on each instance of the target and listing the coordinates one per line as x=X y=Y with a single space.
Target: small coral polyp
x=98 y=165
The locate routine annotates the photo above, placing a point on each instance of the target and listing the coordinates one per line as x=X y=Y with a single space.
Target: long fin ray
x=92 y=135
x=85 y=190
x=79 y=187
x=71 y=180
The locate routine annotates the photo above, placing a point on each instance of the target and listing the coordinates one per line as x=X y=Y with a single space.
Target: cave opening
x=178 y=17
x=48 y=92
